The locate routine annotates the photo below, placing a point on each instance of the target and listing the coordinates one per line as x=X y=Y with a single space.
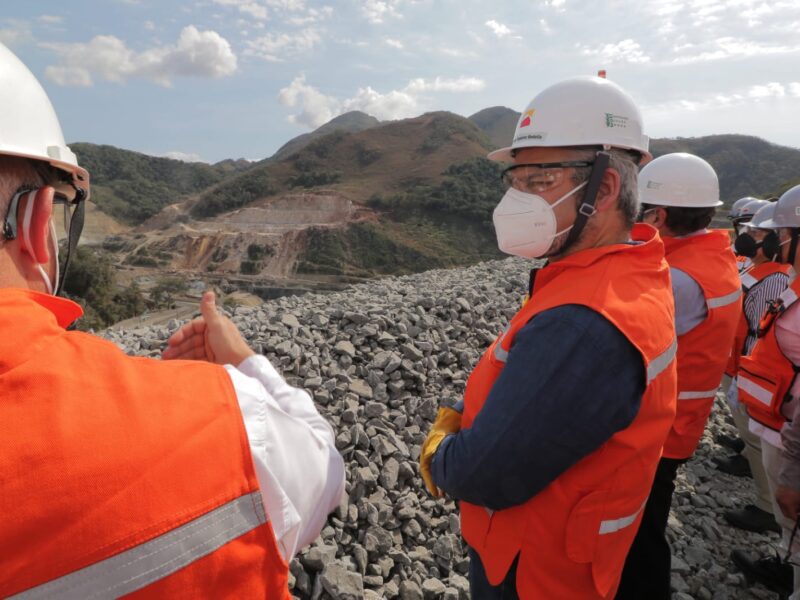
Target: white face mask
x=525 y=224
x=50 y=285
x=26 y=228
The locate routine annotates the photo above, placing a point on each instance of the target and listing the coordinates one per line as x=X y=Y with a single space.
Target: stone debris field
x=379 y=358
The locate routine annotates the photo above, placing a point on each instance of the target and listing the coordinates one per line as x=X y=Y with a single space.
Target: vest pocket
x=600 y=530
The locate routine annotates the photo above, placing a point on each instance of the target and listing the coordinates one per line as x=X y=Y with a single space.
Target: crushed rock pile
x=379 y=358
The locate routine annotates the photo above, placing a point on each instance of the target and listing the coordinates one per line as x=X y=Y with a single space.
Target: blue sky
x=215 y=79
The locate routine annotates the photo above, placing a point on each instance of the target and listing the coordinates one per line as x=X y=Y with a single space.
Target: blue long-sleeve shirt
x=571 y=381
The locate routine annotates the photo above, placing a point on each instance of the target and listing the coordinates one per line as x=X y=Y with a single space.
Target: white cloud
x=317 y=108
x=734 y=47
x=312 y=15
x=196 y=54
x=394 y=43
x=50 y=19
x=277 y=47
x=769 y=90
x=498 y=29
x=378 y=11
x=15 y=31
x=249 y=7
x=149 y=26
x=441 y=84
x=794 y=89
x=625 y=51
x=183 y=156
x=545 y=26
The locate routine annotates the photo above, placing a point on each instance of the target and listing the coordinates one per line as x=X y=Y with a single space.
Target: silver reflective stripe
x=499 y=353
x=761 y=394
x=748 y=280
x=158 y=558
x=661 y=362
x=789 y=297
x=697 y=395
x=721 y=301
x=614 y=525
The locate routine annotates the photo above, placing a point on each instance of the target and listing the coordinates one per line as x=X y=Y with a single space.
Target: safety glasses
x=537 y=178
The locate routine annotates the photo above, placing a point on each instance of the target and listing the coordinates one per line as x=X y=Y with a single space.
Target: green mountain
x=350 y=122
x=132 y=187
x=498 y=123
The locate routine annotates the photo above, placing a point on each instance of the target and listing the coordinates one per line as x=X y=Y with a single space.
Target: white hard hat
x=751 y=208
x=762 y=215
x=679 y=179
x=787 y=210
x=28 y=123
x=584 y=111
x=736 y=208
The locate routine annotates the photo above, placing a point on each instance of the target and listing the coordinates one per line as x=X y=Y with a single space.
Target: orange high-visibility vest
x=703 y=352
x=120 y=475
x=766 y=376
x=750 y=279
x=572 y=537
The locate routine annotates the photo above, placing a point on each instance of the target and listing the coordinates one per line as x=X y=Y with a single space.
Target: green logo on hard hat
x=616 y=120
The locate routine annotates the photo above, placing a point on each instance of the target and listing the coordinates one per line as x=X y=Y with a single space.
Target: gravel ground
x=379 y=358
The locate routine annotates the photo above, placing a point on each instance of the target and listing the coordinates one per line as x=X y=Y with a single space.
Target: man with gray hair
x=565 y=415
x=174 y=478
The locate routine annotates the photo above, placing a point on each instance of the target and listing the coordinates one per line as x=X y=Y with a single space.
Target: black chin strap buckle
x=587 y=210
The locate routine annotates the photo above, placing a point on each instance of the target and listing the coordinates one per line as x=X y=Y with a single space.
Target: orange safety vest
x=572 y=537
x=766 y=376
x=120 y=475
x=703 y=352
x=750 y=279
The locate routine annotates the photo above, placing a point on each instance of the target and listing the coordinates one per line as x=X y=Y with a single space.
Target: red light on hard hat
x=601 y=73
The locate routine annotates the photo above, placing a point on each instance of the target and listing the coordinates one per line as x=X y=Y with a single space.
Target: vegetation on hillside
x=234 y=193
x=428 y=226
x=132 y=187
x=468 y=191
x=91 y=281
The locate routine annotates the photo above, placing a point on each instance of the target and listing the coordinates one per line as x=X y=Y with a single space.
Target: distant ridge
x=350 y=122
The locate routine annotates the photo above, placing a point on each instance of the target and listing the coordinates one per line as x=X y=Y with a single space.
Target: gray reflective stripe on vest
x=158 y=558
x=789 y=297
x=758 y=392
x=721 y=301
x=499 y=353
x=697 y=395
x=614 y=525
x=661 y=362
x=748 y=281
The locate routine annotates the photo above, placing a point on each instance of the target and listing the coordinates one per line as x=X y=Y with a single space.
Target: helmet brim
x=505 y=154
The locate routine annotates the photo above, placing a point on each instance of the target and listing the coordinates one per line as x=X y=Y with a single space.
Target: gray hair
x=624 y=163
x=19 y=173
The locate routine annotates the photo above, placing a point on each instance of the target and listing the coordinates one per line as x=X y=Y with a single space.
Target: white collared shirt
x=299 y=470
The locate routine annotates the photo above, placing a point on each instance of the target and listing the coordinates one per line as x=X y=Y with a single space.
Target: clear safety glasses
x=537 y=178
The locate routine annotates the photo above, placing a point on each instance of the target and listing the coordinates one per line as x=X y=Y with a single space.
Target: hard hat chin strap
x=587 y=208
x=75 y=230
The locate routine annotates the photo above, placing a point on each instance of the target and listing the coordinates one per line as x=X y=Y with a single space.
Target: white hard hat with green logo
x=583 y=111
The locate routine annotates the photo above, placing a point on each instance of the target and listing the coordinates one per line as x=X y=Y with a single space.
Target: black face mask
x=746 y=245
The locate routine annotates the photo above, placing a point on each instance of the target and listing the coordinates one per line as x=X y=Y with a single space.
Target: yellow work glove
x=447 y=421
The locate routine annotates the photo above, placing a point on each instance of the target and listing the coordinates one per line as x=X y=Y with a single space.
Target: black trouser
x=646 y=575
x=481 y=589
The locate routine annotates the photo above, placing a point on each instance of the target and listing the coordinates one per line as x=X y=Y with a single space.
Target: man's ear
x=33 y=223
x=609 y=189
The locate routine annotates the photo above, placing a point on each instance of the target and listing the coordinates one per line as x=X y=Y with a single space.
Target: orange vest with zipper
x=766 y=376
x=120 y=475
x=703 y=352
x=572 y=537
x=750 y=279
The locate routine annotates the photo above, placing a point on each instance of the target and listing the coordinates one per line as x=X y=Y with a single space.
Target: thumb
x=208 y=308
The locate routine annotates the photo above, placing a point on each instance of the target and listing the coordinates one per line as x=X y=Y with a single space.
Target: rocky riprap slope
x=379 y=359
